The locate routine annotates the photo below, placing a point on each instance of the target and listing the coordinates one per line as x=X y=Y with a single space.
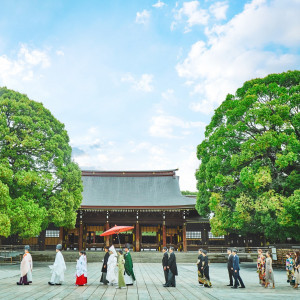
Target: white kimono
x=81 y=266
x=58 y=269
x=112 y=270
x=26 y=266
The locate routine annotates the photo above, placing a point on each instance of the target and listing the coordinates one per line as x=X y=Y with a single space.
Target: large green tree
x=39 y=183
x=249 y=172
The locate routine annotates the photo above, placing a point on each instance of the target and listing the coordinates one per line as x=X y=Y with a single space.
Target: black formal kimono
x=206 y=282
x=165 y=265
x=200 y=270
x=104 y=269
x=172 y=270
x=230 y=269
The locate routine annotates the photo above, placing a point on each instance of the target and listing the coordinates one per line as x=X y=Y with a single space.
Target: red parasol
x=116 y=230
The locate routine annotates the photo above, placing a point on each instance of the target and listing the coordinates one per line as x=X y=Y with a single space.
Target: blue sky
x=136 y=82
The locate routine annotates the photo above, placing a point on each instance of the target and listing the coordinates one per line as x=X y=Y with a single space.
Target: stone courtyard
x=148 y=285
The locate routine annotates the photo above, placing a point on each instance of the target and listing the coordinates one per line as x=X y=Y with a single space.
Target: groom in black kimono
x=172 y=269
x=104 y=266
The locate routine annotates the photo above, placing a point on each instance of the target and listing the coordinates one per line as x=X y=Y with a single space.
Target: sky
x=136 y=82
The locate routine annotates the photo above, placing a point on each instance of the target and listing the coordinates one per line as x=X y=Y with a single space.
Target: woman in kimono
x=269 y=271
x=58 y=268
x=289 y=266
x=205 y=267
x=261 y=267
x=26 y=268
x=121 y=268
x=297 y=269
x=129 y=274
x=81 y=269
x=111 y=275
x=199 y=265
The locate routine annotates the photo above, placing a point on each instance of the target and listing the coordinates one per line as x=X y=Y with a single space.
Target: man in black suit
x=230 y=267
x=236 y=271
x=165 y=263
x=172 y=269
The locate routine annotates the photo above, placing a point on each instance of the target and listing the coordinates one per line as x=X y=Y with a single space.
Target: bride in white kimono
x=58 y=268
x=112 y=270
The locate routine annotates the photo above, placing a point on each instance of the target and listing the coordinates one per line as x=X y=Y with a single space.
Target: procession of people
x=117 y=268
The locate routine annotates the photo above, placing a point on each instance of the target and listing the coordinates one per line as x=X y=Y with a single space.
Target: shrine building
x=150 y=201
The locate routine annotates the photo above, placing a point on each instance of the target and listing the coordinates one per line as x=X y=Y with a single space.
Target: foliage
x=249 y=172
x=188 y=193
x=39 y=184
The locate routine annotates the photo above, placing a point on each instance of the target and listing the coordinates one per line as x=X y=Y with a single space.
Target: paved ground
x=149 y=284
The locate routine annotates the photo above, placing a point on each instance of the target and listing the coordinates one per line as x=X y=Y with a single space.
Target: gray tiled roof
x=133 y=191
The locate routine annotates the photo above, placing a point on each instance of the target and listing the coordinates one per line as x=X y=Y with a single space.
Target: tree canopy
x=39 y=183
x=249 y=171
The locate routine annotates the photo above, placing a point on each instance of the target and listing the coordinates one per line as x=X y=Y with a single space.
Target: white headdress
x=113 y=250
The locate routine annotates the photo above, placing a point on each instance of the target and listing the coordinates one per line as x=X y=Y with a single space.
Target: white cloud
x=192 y=14
x=219 y=10
x=147 y=147
x=168 y=94
x=164 y=126
x=159 y=4
x=23 y=68
x=33 y=57
x=237 y=51
x=187 y=170
x=142 y=17
x=143 y=84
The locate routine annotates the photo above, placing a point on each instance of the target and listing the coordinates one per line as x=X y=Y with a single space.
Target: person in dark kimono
x=230 y=267
x=172 y=269
x=165 y=263
x=104 y=266
x=236 y=271
x=205 y=267
x=128 y=274
x=199 y=265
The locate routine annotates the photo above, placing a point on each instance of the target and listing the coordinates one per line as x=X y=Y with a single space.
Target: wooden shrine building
x=150 y=201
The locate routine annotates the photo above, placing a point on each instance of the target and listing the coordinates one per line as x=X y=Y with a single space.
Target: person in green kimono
x=129 y=274
x=121 y=262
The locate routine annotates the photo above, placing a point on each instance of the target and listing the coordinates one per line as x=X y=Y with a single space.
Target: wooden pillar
x=61 y=236
x=80 y=236
x=107 y=237
x=204 y=236
x=137 y=237
x=164 y=234
x=184 y=243
x=42 y=240
x=159 y=237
